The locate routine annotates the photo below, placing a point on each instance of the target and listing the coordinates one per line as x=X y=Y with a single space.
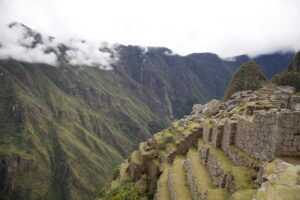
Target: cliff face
x=222 y=151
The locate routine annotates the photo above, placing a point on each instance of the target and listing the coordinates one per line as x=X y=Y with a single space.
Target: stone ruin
x=263 y=126
x=251 y=129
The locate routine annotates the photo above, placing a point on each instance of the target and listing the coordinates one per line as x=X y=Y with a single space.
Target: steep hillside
x=68 y=127
x=248 y=77
x=64 y=128
x=242 y=149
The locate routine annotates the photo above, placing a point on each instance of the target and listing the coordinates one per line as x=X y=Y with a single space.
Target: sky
x=228 y=28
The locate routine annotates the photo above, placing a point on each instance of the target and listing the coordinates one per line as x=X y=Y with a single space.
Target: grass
x=242 y=175
x=200 y=172
x=243 y=195
x=76 y=122
x=204 y=181
x=136 y=157
x=178 y=174
x=163 y=193
x=243 y=154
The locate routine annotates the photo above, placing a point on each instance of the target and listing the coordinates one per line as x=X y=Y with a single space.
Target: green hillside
x=64 y=130
x=292 y=75
x=248 y=77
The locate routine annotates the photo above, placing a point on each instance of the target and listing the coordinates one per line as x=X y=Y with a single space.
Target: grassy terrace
x=243 y=154
x=163 y=193
x=180 y=186
x=204 y=182
x=242 y=175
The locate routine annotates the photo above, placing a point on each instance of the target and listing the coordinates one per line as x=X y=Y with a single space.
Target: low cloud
x=21 y=43
x=17 y=44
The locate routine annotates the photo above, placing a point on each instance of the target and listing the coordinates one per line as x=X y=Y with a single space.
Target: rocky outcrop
x=10 y=169
x=281 y=181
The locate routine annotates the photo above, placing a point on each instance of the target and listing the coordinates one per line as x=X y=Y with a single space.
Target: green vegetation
x=179 y=180
x=242 y=175
x=248 y=77
x=290 y=77
x=126 y=191
x=163 y=192
x=204 y=181
x=70 y=126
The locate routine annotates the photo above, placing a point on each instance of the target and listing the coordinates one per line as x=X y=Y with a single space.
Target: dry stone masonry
x=234 y=142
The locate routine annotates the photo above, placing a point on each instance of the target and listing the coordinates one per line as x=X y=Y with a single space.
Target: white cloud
x=227 y=28
x=88 y=53
x=18 y=43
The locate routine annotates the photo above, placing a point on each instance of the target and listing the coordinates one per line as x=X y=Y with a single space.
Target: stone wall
x=184 y=144
x=217 y=136
x=257 y=136
x=219 y=177
x=267 y=134
x=192 y=181
x=230 y=129
x=263 y=136
x=208 y=131
x=288 y=134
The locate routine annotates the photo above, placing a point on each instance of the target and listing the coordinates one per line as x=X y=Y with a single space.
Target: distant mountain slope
x=64 y=128
x=271 y=64
x=290 y=76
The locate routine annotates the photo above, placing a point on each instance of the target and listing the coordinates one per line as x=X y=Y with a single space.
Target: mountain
x=290 y=76
x=241 y=149
x=71 y=112
x=248 y=77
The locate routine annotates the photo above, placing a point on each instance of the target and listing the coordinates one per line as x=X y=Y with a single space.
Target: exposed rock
x=281 y=182
x=211 y=107
x=10 y=169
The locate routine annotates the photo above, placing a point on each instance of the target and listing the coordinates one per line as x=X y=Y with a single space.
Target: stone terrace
x=221 y=150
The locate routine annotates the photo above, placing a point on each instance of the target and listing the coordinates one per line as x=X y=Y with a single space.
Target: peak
x=248 y=77
x=18 y=24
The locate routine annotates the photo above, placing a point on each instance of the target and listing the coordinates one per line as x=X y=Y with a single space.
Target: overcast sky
x=225 y=27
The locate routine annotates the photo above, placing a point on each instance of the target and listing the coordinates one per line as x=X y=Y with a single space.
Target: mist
x=228 y=28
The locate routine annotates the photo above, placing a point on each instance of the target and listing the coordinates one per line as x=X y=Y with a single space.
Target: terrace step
x=162 y=192
x=199 y=181
x=177 y=185
x=223 y=171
